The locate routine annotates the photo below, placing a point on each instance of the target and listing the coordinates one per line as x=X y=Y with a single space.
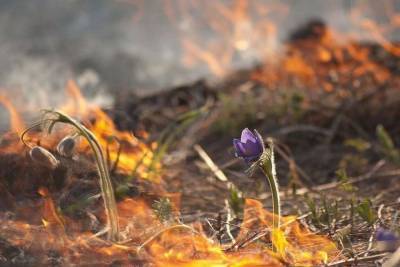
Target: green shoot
x=387 y=146
x=236 y=200
x=163 y=209
x=366 y=212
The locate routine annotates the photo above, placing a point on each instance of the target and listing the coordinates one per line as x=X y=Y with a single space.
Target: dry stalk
x=50 y=118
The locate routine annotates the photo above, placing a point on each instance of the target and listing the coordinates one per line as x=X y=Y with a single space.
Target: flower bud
x=66 y=146
x=43 y=157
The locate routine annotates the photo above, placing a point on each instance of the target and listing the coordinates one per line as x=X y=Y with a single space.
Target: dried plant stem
x=145 y=243
x=106 y=186
x=357 y=260
x=210 y=163
x=228 y=220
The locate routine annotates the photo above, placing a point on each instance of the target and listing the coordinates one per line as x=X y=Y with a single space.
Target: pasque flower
x=386 y=240
x=386 y=235
x=250 y=146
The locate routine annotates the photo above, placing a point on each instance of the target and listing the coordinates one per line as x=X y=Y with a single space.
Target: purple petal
x=247 y=135
x=239 y=149
x=259 y=139
x=386 y=235
x=251 y=159
x=252 y=148
x=386 y=240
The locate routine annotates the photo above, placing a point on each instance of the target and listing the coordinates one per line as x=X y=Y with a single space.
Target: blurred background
x=114 y=45
x=110 y=47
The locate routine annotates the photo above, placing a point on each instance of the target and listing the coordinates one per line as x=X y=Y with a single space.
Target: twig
x=371 y=174
x=375 y=226
x=394 y=260
x=210 y=163
x=257 y=235
x=368 y=258
x=215 y=232
x=290 y=160
x=162 y=231
x=371 y=240
x=228 y=219
x=242 y=243
x=334 y=127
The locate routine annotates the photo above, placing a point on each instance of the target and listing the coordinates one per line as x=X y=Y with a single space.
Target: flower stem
x=269 y=170
x=107 y=190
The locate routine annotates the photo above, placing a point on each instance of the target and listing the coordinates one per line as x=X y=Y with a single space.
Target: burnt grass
x=330 y=160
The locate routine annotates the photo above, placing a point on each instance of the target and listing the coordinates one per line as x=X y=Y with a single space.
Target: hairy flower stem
x=106 y=186
x=268 y=167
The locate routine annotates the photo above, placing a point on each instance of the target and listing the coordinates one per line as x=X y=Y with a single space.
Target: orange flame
x=163 y=244
x=17 y=125
x=122 y=147
x=124 y=150
x=331 y=61
x=178 y=246
x=148 y=239
x=294 y=244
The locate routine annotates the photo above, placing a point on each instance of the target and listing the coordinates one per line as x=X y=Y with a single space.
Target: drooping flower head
x=250 y=146
x=66 y=146
x=43 y=157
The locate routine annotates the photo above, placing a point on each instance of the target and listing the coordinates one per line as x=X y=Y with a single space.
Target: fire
x=238 y=31
x=174 y=244
x=17 y=124
x=226 y=35
x=147 y=239
x=125 y=151
x=295 y=244
x=183 y=246
x=10 y=141
x=123 y=148
x=320 y=61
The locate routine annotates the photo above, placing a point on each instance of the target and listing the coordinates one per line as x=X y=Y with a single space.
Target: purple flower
x=386 y=240
x=385 y=235
x=250 y=146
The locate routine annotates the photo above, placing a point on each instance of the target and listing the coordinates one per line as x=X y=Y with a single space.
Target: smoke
x=138 y=46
